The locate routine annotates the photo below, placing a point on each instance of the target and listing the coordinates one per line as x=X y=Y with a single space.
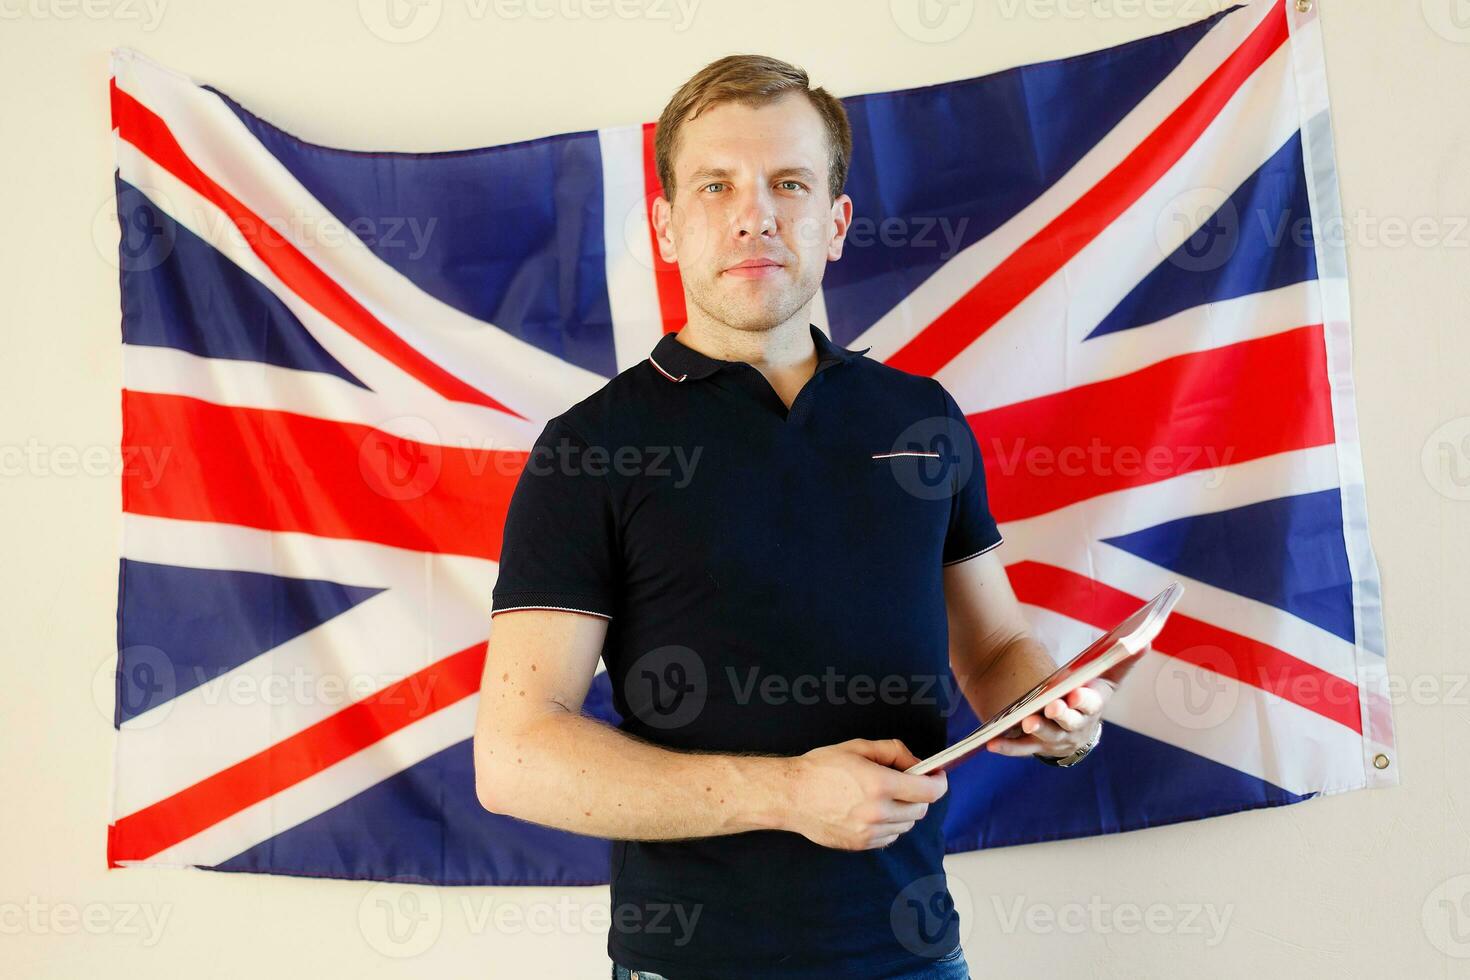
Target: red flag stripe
x=1193 y=641
x=190 y=811
x=150 y=134
x=286 y=472
x=1185 y=413
x=666 y=280
x=1040 y=257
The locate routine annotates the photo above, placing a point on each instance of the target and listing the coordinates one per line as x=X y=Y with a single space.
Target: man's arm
x=538 y=758
x=996 y=659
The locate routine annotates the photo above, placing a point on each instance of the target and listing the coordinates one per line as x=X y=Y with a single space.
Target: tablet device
x=1125 y=640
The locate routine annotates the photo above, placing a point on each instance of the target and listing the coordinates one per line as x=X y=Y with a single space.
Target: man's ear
x=663 y=229
x=841 y=220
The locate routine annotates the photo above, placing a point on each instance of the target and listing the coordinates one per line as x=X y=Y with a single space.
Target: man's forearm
x=572 y=772
x=1015 y=669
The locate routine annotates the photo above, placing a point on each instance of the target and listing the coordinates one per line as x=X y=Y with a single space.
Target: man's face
x=751 y=227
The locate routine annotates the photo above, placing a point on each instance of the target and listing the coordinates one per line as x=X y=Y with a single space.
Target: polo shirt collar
x=678 y=361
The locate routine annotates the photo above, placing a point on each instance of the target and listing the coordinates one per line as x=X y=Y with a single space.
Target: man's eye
x=796 y=185
x=714 y=184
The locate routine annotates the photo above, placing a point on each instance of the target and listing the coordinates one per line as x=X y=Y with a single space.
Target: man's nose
x=755 y=214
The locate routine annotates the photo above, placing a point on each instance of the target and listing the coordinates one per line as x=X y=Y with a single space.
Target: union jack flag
x=335 y=363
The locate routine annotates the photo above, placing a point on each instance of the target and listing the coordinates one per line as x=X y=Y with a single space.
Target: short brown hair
x=753 y=80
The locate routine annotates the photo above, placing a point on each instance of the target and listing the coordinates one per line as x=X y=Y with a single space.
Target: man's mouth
x=754 y=268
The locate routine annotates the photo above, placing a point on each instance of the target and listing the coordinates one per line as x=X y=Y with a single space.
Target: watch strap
x=1063 y=762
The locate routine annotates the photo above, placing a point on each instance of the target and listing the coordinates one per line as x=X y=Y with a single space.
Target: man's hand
x=854 y=795
x=1065 y=725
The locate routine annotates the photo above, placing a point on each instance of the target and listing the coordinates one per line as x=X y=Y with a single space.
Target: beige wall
x=1338 y=886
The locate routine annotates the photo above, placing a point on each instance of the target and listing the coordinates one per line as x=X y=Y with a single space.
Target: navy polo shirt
x=772 y=582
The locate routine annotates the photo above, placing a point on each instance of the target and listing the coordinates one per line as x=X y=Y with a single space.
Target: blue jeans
x=949 y=967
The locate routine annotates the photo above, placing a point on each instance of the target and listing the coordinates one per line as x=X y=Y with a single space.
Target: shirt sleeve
x=560 y=545
x=972 y=529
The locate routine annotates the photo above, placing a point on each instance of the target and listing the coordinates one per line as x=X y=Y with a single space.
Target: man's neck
x=783 y=348
x=785 y=353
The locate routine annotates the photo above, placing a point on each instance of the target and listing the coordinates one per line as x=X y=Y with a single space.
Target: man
x=778 y=547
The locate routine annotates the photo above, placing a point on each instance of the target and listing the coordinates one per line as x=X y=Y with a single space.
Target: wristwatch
x=1075 y=757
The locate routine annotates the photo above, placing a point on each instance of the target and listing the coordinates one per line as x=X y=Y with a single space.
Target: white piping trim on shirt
x=976 y=554
x=665 y=373
x=908 y=453
x=556 y=608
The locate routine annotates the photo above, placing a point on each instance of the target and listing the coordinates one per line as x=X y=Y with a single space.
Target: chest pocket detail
x=921 y=475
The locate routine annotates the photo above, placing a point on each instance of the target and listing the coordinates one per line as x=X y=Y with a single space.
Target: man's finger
x=894 y=811
x=1025 y=745
x=1088 y=700
x=1045 y=730
x=1068 y=719
x=918 y=789
x=886 y=752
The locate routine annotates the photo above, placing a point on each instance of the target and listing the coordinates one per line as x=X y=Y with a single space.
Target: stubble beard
x=770 y=309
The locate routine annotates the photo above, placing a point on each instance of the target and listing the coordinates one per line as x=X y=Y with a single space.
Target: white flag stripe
x=248 y=384
x=251 y=384
x=1206 y=490
x=321 y=792
x=414 y=623
x=1318 y=161
x=519 y=375
x=1053 y=539
x=1250 y=129
x=1230 y=611
x=285 y=690
x=1217 y=717
x=168 y=752
x=1211 y=326
x=347 y=561
x=957 y=277
x=402 y=395
x=632 y=290
x=1051 y=323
